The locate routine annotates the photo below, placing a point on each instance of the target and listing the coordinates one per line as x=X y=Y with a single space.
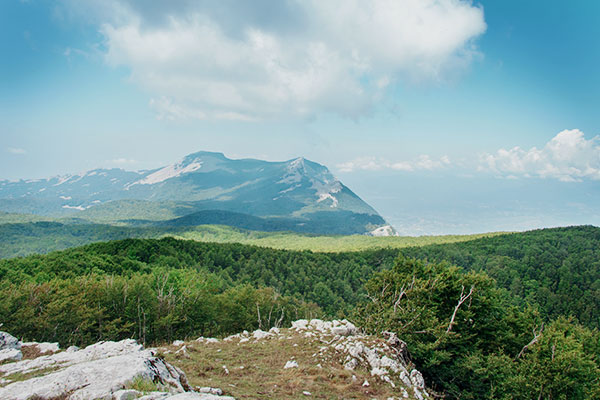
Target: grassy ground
x=255 y=370
x=293 y=241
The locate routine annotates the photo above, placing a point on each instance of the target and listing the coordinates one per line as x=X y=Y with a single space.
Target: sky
x=448 y=116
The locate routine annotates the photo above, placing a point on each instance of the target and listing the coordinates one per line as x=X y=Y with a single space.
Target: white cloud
x=122 y=161
x=569 y=156
x=16 y=150
x=226 y=59
x=423 y=162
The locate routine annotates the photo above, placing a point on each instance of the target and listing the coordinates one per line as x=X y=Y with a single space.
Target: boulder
x=9 y=342
x=96 y=372
x=10 y=348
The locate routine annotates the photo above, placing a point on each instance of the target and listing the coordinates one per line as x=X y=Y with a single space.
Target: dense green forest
x=557 y=269
x=473 y=331
x=21 y=239
x=470 y=340
x=333 y=280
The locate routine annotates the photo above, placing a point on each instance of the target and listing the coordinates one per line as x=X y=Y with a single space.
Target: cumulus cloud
x=247 y=60
x=423 y=162
x=16 y=150
x=568 y=157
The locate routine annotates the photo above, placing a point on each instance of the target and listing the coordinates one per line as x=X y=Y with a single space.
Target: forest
x=512 y=316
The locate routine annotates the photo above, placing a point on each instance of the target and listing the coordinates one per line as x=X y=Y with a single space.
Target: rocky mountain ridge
x=290 y=195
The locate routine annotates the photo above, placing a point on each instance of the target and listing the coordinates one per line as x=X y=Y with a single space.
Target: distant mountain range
x=203 y=188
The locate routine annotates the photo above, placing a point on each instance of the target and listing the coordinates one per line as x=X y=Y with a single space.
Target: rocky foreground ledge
x=105 y=370
x=320 y=359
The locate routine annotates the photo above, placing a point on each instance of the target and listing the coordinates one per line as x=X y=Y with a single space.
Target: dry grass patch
x=255 y=369
x=31 y=352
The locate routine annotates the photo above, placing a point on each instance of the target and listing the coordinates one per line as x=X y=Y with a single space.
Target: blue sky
x=391 y=95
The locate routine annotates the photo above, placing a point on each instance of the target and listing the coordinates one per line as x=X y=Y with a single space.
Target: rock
x=417 y=379
x=274 y=330
x=93 y=352
x=291 y=364
x=229 y=338
x=42 y=348
x=9 y=342
x=366 y=383
x=178 y=343
x=259 y=334
x=72 y=349
x=197 y=396
x=182 y=351
x=351 y=365
x=10 y=355
x=124 y=394
x=335 y=327
x=10 y=348
x=307 y=393
x=155 y=396
x=211 y=390
x=300 y=324
x=92 y=373
x=207 y=340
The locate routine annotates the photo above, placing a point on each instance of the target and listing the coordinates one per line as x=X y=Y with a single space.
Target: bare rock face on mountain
x=105 y=370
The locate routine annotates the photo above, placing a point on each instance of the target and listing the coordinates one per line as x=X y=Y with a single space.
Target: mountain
x=204 y=187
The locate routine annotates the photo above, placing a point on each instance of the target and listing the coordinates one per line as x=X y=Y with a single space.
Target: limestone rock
x=126 y=394
x=198 y=396
x=10 y=347
x=43 y=347
x=260 y=334
x=9 y=342
x=96 y=372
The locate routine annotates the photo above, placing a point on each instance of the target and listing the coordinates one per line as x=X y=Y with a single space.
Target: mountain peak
x=296 y=190
x=201 y=154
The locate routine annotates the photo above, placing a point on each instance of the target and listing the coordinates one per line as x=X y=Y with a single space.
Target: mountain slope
x=298 y=195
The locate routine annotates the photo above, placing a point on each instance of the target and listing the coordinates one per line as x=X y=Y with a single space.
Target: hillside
x=290 y=363
x=470 y=338
x=25 y=238
x=297 y=195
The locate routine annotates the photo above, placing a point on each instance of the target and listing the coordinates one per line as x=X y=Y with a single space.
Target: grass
x=295 y=241
x=254 y=370
x=20 y=376
x=31 y=352
x=144 y=385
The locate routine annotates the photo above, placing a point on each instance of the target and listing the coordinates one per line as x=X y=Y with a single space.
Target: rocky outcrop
x=385 y=359
x=10 y=348
x=104 y=370
x=125 y=370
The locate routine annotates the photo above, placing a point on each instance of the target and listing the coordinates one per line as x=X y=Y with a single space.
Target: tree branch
x=536 y=337
x=461 y=300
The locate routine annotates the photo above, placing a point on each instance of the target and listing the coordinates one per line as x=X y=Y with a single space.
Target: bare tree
x=403 y=291
x=258 y=314
x=463 y=297
x=536 y=337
